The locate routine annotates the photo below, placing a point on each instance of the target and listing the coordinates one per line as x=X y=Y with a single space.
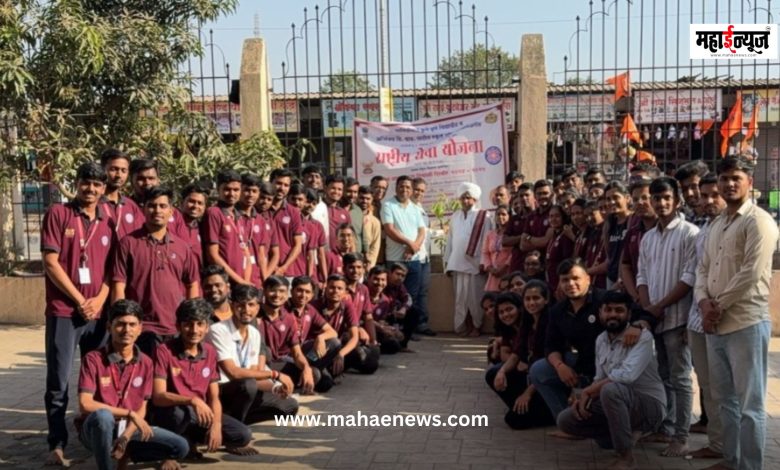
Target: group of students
x=194 y=322
x=606 y=296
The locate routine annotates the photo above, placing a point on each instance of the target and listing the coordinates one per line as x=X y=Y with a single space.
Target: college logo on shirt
x=205 y=372
x=256 y=229
x=286 y=219
x=129 y=218
x=305 y=237
x=545 y=222
x=307 y=319
x=591 y=318
x=227 y=228
x=70 y=232
x=198 y=238
x=105 y=381
x=138 y=381
x=267 y=226
x=343 y=216
x=171 y=220
x=173 y=255
x=282 y=328
x=104 y=240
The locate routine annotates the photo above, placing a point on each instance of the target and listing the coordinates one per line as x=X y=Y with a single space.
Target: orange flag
x=645 y=156
x=704 y=126
x=629 y=130
x=752 y=129
x=622 y=84
x=732 y=125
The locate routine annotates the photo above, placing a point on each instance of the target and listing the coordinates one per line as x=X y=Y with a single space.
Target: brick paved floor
x=444 y=377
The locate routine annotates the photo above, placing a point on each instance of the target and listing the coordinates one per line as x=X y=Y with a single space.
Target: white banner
x=446 y=151
x=430 y=108
x=581 y=108
x=733 y=41
x=677 y=105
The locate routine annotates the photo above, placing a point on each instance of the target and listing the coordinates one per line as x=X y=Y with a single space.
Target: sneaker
x=427 y=332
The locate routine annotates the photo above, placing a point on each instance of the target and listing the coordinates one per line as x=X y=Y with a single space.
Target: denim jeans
x=413 y=279
x=97 y=435
x=555 y=393
x=421 y=302
x=674 y=367
x=738 y=377
x=698 y=345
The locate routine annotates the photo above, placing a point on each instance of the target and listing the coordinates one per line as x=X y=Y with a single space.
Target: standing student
x=291 y=260
x=225 y=241
x=282 y=337
x=595 y=250
x=115 y=385
x=667 y=271
x=255 y=227
x=248 y=390
x=372 y=228
x=523 y=205
x=186 y=386
x=76 y=242
x=496 y=257
x=337 y=215
x=188 y=216
x=143 y=176
x=349 y=202
x=156 y=269
x=536 y=232
x=419 y=187
x=127 y=216
x=732 y=292
x=216 y=290
x=615 y=228
x=313 y=179
x=559 y=248
x=379 y=185
x=314 y=243
x=644 y=220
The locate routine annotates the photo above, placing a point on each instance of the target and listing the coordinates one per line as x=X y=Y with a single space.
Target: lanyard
x=117 y=381
x=243 y=359
x=83 y=244
x=239 y=230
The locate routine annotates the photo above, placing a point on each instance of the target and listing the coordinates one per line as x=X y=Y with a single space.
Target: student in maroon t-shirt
x=144 y=175
x=537 y=233
x=291 y=258
x=345 y=243
x=188 y=216
x=314 y=242
x=319 y=340
x=595 y=252
x=523 y=205
x=394 y=326
x=156 y=269
x=76 y=242
x=124 y=212
x=254 y=225
x=337 y=215
x=342 y=316
x=115 y=384
x=644 y=219
x=559 y=248
x=186 y=386
x=357 y=293
x=225 y=241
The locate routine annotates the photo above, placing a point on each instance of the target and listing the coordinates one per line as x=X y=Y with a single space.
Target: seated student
x=115 y=384
x=281 y=336
x=627 y=394
x=532 y=265
x=394 y=323
x=216 y=290
x=186 y=390
x=319 y=341
x=341 y=315
x=249 y=391
x=488 y=304
x=524 y=324
x=517 y=281
x=354 y=267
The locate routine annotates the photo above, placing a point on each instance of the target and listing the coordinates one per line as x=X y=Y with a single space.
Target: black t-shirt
x=616 y=236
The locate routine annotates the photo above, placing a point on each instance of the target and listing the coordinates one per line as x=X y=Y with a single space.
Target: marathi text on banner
x=446 y=151
x=684 y=105
x=430 y=108
x=284 y=115
x=770 y=104
x=339 y=115
x=580 y=108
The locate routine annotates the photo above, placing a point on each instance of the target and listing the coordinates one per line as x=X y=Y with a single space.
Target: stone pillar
x=531 y=144
x=255 y=89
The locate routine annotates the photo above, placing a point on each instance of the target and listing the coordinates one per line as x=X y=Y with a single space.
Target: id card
x=120 y=427
x=84 y=276
x=253 y=260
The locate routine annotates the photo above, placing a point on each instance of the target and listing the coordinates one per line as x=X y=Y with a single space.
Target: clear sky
x=508 y=20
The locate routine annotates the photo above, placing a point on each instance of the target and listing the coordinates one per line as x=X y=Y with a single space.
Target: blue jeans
x=738 y=380
x=544 y=377
x=413 y=279
x=98 y=433
x=422 y=297
x=674 y=367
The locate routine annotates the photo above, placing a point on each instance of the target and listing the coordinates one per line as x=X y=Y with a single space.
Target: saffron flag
x=704 y=126
x=630 y=130
x=622 y=84
x=752 y=129
x=732 y=125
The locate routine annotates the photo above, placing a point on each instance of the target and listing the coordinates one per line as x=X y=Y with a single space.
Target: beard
x=615 y=326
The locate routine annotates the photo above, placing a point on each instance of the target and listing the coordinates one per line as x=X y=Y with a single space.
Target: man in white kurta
x=463 y=268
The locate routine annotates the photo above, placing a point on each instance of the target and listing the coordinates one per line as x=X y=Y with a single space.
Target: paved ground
x=444 y=377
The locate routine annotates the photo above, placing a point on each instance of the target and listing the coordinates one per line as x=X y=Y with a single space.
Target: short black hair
x=336 y=277
x=568 y=264
x=378 y=269
x=637 y=183
x=398 y=266
x=91 y=171
x=311 y=195
x=709 y=178
x=158 y=191
x=250 y=180
x=197 y=309
x=267 y=189
x=694 y=168
x=296 y=189
x=541 y=184
x=345 y=226
x=544 y=289
x=526 y=187
x=350 y=181
x=302 y=281
x=272 y=282
x=352 y=258
x=281 y=173
x=214 y=270
x=617 y=186
x=123 y=308
x=194 y=188
x=376 y=178
x=571 y=171
x=594 y=171
x=617 y=297
x=335 y=178
x=736 y=163
x=580 y=202
x=142 y=164
x=228 y=176
x=418 y=180
x=666 y=183
x=401 y=179
x=244 y=293
x=111 y=154
x=311 y=169
x=365 y=190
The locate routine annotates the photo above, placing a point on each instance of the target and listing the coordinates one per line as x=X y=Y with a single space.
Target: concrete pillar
x=531 y=144
x=255 y=88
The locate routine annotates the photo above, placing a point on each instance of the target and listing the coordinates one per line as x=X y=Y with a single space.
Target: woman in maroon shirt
x=559 y=248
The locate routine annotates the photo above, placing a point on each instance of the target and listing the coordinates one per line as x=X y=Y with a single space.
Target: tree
x=346 y=82
x=77 y=76
x=478 y=67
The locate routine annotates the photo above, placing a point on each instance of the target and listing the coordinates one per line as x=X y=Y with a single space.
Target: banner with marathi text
x=448 y=150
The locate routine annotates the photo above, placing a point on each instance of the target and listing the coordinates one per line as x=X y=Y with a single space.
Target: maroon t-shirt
x=630 y=255
x=112 y=382
x=280 y=335
x=336 y=216
x=342 y=319
x=126 y=215
x=186 y=375
x=255 y=226
x=380 y=308
x=596 y=253
x=559 y=248
x=287 y=226
x=309 y=323
x=360 y=300
x=536 y=225
x=515 y=228
x=335 y=262
x=222 y=227
x=156 y=274
x=189 y=232
x=399 y=295
x=61 y=233
x=313 y=236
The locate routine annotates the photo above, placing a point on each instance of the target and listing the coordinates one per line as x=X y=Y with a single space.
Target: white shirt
x=667 y=256
x=425 y=249
x=455 y=257
x=694 y=317
x=320 y=214
x=227 y=341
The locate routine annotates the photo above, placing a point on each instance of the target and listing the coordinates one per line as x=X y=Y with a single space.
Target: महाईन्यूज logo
x=733 y=41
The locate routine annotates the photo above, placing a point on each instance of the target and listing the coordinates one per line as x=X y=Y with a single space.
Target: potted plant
x=441 y=210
